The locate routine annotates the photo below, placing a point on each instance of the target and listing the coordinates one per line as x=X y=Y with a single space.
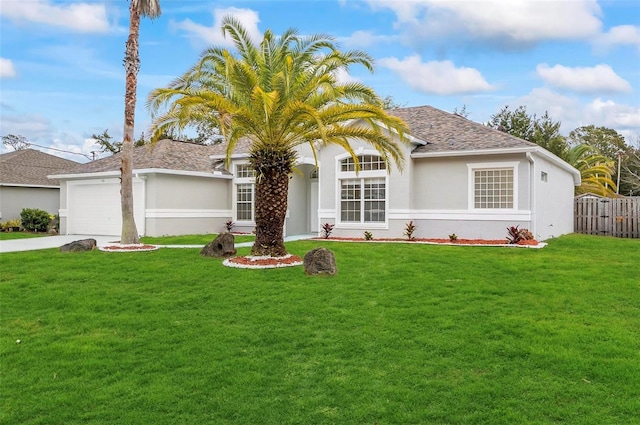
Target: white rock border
x=228 y=262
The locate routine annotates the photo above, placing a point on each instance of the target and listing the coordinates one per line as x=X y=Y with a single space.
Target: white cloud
x=573 y=113
x=78 y=17
x=7 y=69
x=516 y=23
x=437 y=77
x=598 y=79
x=613 y=115
x=363 y=39
x=623 y=35
x=32 y=126
x=213 y=34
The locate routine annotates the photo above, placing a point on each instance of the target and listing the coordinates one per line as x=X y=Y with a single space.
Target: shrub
x=516 y=235
x=54 y=224
x=513 y=234
x=10 y=225
x=526 y=235
x=368 y=236
x=409 y=228
x=453 y=237
x=327 y=228
x=35 y=220
x=229 y=225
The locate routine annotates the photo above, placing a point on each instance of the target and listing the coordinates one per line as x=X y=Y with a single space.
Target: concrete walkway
x=47 y=242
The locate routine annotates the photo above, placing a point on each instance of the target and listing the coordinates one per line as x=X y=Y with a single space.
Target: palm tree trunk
x=270 y=213
x=132 y=65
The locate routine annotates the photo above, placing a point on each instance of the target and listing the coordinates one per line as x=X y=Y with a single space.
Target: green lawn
x=404 y=334
x=191 y=239
x=5 y=236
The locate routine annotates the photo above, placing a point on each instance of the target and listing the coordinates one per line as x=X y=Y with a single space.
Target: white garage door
x=94 y=208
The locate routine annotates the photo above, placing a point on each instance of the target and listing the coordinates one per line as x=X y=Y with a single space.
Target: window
x=362 y=196
x=245 y=202
x=362 y=200
x=367 y=163
x=244 y=171
x=245 y=192
x=544 y=176
x=493 y=188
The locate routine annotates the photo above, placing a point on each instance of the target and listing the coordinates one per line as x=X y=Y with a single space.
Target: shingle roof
x=165 y=154
x=445 y=132
x=31 y=167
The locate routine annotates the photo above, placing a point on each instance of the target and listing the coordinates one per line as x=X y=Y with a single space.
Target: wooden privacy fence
x=619 y=217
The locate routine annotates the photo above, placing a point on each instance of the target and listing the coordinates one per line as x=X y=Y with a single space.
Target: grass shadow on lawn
x=403 y=334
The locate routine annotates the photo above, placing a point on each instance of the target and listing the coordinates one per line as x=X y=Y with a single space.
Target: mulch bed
x=491 y=242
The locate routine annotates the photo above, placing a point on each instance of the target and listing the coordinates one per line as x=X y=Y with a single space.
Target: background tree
x=546 y=133
x=280 y=93
x=107 y=145
x=630 y=179
x=610 y=144
x=517 y=123
x=17 y=142
x=542 y=131
x=461 y=112
x=388 y=102
x=595 y=170
x=137 y=8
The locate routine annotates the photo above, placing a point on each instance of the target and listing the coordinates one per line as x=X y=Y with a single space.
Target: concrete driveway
x=46 y=242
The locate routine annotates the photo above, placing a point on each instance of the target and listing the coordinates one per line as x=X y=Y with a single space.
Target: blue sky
x=61 y=74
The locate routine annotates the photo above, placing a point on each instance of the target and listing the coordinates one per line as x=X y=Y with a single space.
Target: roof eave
x=41 y=186
x=473 y=152
x=143 y=171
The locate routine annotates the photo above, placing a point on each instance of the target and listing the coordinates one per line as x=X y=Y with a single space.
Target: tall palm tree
x=280 y=93
x=137 y=8
x=595 y=170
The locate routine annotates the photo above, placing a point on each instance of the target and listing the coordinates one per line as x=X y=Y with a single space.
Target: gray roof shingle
x=445 y=132
x=165 y=154
x=31 y=167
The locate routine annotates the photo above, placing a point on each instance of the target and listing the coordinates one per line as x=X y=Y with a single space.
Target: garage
x=94 y=207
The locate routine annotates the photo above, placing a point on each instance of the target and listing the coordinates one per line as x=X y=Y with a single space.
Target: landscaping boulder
x=320 y=261
x=222 y=246
x=80 y=245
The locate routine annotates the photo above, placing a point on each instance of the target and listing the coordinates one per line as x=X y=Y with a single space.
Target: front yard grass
x=191 y=239
x=5 y=236
x=403 y=334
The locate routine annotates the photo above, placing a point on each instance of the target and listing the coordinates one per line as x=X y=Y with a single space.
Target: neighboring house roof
x=29 y=167
x=445 y=132
x=163 y=155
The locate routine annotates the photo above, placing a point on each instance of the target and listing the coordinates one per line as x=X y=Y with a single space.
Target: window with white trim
x=493 y=188
x=244 y=171
x=363 y=197
x=245 y=192
x=367 y=163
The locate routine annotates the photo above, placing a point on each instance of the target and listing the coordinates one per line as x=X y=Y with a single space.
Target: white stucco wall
x=553 y=200
x=180 y=204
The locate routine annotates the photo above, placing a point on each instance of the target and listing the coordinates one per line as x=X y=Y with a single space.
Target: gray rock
x=320 y=261
x=79 y=246
x=222 y=246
